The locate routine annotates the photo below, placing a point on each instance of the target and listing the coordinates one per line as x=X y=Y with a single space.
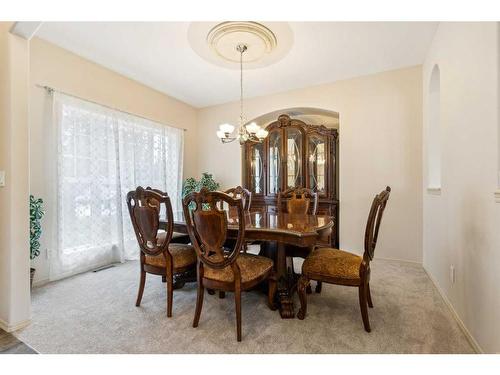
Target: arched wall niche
x=434 y=132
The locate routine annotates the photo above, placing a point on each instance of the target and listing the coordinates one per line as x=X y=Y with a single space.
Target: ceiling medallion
x=268 y=42
x=223 y=37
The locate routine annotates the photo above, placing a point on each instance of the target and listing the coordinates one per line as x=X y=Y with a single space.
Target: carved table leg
x=285 y=289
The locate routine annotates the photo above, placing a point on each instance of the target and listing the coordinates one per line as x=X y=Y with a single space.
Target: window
x=102 y=155
x=434 y=133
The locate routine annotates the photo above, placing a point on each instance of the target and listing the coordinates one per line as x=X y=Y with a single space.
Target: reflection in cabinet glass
x=274 y=162
x=257 y=169
x=317 y=163
x=294 y=157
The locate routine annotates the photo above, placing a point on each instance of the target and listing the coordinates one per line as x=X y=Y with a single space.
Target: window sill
x=496 y=193
x=434 y=190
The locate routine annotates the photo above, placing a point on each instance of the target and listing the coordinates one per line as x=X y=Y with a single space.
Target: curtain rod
x=50 y=90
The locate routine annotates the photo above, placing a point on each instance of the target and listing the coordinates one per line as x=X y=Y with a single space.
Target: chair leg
x=364 y=307
x=237 y=301
x=302 y=286
x=170 y=295
x=141 y=287
x=319 y=284
x=199 y=304
x=369 y=296
x=222 y=294
x=272 y=285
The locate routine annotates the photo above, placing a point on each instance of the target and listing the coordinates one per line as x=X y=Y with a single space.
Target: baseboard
x=38 y=283
x=398 y=260
x=13 y=327
x=461 y=324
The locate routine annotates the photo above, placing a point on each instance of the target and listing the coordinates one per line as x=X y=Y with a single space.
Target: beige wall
x=15 y=307
x=380 y=144
x=58 y=68
x=461 y=226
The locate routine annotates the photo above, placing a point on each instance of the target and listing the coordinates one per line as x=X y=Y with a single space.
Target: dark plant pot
x=32 y=275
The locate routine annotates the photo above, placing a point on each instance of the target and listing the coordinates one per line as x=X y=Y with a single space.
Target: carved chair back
x=144 y=206
x=206 y=222
x=373 y=223
x=243 y=194
x=298 y=201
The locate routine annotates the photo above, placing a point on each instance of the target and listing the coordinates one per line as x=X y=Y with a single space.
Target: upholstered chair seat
x=332 y=263
x=251 y=267
x=182 y=255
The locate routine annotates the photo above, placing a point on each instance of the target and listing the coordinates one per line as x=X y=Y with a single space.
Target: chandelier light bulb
x=221 y=134
x=261 y=133
x=226 y=128
x=253 y=128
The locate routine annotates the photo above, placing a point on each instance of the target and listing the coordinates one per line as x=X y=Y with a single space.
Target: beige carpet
x=96 y=313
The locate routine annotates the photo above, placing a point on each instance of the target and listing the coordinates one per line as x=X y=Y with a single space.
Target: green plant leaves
x=36 y=214
x=206 y=181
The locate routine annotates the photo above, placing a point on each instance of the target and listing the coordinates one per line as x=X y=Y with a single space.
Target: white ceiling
x=158 y=54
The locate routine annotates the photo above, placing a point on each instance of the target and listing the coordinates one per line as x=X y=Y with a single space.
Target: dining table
x=278 y=229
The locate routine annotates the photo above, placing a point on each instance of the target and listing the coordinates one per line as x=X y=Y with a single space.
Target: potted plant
x=206 y=181
x=36 y=214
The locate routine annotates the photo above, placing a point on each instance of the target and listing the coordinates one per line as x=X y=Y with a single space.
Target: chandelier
x=251 y=132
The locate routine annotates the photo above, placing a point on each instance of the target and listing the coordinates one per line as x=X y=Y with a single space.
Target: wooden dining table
x=281 y=229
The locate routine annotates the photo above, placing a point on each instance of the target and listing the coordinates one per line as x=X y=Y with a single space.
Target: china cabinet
x=294 y=154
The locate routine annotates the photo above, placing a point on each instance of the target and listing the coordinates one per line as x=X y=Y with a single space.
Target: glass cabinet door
x=317 y=163
x=274 y=161
x=257 y=168
x=294 y=146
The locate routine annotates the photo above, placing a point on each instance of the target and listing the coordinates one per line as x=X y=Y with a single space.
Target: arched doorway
x=434 y=132
x=310 y=115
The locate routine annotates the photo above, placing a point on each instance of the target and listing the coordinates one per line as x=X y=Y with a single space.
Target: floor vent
x=103 y=268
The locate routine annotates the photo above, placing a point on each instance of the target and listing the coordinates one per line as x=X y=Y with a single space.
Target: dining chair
x=340 y=267
x=222 y=269
x=298 y=201
x=176 y=237
x=245 y=195
x=158 y=255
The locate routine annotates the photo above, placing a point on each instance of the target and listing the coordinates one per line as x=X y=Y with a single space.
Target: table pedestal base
x=287 y=279
x=180 y=279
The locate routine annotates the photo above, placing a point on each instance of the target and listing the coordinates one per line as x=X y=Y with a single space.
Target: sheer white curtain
x=102 y=154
